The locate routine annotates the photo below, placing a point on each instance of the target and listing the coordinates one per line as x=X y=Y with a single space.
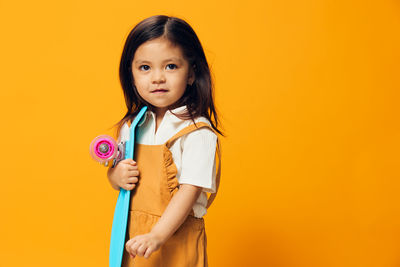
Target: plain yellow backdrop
x=308 y=93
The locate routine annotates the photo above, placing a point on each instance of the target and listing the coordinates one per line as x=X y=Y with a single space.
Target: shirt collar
x=151 y=115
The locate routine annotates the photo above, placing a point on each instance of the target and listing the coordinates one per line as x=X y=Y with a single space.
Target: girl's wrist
x=159 y=235
x=111 y=179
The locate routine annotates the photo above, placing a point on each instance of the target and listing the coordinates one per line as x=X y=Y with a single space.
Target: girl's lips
x=159 y=91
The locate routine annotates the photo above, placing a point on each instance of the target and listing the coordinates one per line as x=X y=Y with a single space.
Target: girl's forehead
x=157 y=48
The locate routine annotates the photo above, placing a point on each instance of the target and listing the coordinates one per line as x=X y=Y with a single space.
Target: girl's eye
x=171 y=66
x=144 y=67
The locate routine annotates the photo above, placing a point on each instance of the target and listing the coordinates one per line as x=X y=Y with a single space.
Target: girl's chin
x=161 y=104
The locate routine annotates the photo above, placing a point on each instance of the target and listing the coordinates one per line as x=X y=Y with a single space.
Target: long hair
x=198 y=97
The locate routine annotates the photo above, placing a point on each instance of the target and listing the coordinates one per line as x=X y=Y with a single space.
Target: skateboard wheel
x=103 y=148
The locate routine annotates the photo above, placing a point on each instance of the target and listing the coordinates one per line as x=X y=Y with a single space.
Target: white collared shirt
x=193 y=154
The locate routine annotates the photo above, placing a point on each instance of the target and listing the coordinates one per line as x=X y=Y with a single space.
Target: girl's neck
x=160 y=112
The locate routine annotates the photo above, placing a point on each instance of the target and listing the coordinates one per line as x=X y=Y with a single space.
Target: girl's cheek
x=139 y=83
x=142 y=80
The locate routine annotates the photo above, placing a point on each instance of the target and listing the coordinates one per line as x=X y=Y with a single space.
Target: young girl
x=163 y=66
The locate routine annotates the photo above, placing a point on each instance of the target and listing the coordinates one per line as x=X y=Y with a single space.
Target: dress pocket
x=141 y=222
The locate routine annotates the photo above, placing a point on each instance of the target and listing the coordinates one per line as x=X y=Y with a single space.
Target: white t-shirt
x=193 y=154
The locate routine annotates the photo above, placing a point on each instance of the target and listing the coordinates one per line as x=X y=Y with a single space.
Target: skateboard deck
x=120 y=221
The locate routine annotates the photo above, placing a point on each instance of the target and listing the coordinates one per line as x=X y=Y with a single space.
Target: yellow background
x=309 y=96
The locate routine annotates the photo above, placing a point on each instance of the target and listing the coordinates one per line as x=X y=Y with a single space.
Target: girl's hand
x=143 y=245
x=124 y=175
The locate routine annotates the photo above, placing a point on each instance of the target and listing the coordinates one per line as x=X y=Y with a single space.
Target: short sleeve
x=198 y=159
x=124 y=133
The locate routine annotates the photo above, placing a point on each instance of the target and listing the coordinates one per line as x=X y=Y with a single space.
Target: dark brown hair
x=198 y=97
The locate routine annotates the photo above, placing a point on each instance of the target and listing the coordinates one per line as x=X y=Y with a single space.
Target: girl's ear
x=192 y=76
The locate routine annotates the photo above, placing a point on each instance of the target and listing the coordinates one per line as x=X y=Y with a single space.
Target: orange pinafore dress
x=156 y=186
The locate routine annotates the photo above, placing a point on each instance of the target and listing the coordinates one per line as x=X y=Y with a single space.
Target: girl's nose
x=158 y=77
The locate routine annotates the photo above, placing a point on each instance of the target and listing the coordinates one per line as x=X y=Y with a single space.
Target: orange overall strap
x=189 y=129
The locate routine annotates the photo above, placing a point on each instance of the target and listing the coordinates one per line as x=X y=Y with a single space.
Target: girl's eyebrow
x=168 y=59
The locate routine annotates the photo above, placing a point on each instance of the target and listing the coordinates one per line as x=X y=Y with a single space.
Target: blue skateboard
x=120 y=221
x=103 y=148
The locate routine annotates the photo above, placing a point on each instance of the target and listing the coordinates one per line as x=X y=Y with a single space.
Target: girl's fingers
x=141 y=249
x=148 y=252
x=134 y=248
x=133 y=173
x=129 y=243
x=131 y=251
x=133 y=180
x=129 y=186
x=138 y=247
x=129 y=161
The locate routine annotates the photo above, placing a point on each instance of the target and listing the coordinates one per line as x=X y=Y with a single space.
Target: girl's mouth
x=160 y=91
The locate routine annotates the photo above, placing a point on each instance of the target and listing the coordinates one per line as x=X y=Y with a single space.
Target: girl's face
x=161 y=73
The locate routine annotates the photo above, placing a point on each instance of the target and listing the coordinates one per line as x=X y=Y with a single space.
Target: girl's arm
x=174 y=215
x=176 y=212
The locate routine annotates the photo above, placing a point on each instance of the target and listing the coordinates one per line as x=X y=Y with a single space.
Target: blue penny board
x=120 y=221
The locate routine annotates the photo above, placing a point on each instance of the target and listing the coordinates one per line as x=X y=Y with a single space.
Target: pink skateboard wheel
x=103 y=148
